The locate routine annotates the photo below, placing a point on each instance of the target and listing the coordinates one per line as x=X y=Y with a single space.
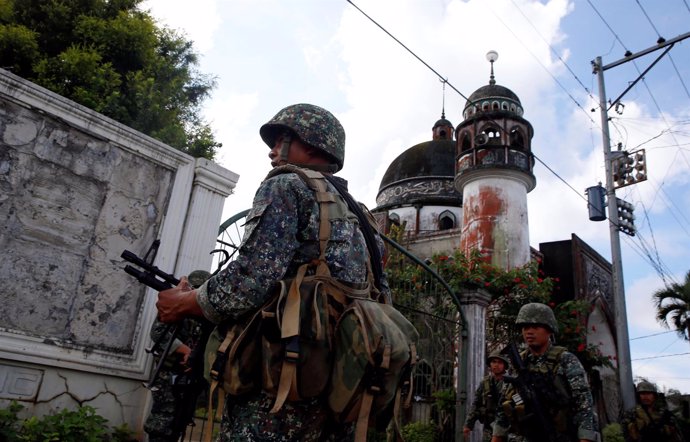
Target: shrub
x=80 y=425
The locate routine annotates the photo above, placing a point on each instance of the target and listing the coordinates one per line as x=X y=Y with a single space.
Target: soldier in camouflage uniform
x=281 y=234
x=486 y=398
x=165 y=390
x=562 y=389
x=650 y=420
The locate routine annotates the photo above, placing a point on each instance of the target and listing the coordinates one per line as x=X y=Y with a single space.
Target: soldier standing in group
x=281 y=234
x=563 y=407
x=163 y=423
x=650 y=420
x=486 y=398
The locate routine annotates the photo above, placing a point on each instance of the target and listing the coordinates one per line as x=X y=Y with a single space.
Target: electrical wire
x=660 y=356
x=553 y=50
x=541 y=64
x=652 y=335
x=445 y=80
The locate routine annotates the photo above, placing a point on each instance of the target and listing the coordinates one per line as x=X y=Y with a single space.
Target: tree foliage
x=673 y=307
x=112 y=57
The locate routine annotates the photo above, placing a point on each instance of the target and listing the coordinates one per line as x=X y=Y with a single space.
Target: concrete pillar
x=474 y=303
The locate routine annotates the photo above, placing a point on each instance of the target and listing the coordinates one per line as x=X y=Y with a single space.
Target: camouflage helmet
x=198 y=277
x=313 y=125
x=537 y=313
x=646 y=387
x=497 y=355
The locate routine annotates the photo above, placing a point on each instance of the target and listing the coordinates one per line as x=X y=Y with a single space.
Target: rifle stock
x=536 y=421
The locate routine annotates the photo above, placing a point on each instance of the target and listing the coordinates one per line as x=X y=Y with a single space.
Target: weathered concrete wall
x=76 y=189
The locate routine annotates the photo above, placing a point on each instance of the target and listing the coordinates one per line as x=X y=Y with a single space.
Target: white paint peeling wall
x=76 y=189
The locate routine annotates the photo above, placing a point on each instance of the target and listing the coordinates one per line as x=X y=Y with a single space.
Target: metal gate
x=431 y=305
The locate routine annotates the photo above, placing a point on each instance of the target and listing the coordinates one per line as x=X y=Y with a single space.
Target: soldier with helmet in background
x=650 y=420
x=180 y=380
x=486 y=398
x=550 y=398
x=281 y=234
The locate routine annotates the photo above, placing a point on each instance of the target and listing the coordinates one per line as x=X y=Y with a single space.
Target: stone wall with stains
x=76 y=189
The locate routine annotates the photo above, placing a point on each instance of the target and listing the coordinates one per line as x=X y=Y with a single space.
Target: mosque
x=466 y=188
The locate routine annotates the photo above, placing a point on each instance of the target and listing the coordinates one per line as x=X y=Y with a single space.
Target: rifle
x=188 y=385
x=535 y=421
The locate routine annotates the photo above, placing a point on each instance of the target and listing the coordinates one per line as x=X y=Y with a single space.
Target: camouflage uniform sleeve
x=583 y=414
x=473 y=414
x=272 y=235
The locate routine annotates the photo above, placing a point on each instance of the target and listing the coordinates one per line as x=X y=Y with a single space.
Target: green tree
x=673 y=307
x=112 y=57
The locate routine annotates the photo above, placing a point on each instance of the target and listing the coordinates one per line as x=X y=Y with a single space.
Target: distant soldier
x=165 y=421
x=486 y=398
x=562 y=407
x=650 y=420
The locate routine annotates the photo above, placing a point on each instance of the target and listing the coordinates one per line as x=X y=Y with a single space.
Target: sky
x=268 y=54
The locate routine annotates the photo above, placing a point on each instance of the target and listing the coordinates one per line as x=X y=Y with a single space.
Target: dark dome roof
x=424 y=173
x=490 y=99
x=492 y=91
x=442 y=122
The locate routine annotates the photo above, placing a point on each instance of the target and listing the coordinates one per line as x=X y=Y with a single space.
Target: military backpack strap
x=367 y=231
x=287 y=387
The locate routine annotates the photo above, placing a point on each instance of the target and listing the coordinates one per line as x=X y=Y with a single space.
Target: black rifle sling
x=366 y=228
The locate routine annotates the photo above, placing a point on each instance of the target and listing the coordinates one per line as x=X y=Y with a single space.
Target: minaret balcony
x=489 y=157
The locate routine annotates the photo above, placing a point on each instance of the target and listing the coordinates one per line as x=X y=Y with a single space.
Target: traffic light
x=626 y=218
x=628 y=167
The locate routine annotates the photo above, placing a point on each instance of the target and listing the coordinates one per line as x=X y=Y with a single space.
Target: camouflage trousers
x=160 y=421
x=249 y=420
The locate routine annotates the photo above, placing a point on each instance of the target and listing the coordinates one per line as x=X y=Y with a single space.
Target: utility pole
x=623 y=341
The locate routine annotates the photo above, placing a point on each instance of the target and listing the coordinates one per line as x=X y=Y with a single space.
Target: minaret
x=494 y=174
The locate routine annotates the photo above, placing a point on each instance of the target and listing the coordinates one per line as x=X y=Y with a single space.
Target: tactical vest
x=490 y=401
x=551 y=390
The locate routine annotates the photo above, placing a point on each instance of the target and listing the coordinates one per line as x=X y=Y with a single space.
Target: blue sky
x=267 y=54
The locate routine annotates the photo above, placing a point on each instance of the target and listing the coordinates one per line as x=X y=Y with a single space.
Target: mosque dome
x=491 y=98
x=421 y=175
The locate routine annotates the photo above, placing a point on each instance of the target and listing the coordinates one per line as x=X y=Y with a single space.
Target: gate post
x=474 y=303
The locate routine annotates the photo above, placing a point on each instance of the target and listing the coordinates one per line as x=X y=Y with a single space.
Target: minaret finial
x=443 y=102
x=492 y=56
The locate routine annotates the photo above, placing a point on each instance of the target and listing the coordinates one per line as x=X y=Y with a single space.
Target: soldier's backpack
x=320 y=337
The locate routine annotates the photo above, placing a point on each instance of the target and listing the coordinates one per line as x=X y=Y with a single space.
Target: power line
x=553 y=50
x=652 y=335
x=410 y=51
x=541 y=64
x=660 y=356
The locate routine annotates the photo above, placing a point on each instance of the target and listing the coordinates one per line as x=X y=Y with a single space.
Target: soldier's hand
x=184 y=351
x=178 y=303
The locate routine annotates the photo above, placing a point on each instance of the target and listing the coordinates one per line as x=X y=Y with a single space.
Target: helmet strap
x=285 y=148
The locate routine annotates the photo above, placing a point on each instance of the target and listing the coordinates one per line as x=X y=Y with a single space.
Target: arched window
x=517 y=140
x=446 y=220
x=394 y=219
x=504 y=106
x=423 y=379
x=466 y=142
x=485 y=106
x=495 y=105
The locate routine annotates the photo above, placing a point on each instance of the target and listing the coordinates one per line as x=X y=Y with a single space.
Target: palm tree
x=673 y=307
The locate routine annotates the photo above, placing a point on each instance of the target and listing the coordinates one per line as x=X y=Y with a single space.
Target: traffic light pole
x=623 y=342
